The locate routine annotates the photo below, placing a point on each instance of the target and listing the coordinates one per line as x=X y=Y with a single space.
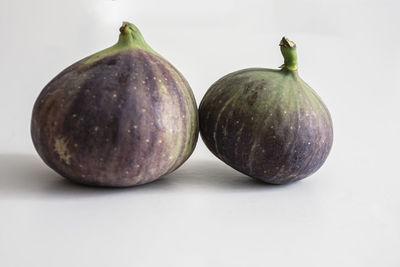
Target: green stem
x=288 y=49
x=131 y=36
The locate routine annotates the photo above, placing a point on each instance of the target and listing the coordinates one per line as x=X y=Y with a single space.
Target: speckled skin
x=268 y=124
x=120 y=120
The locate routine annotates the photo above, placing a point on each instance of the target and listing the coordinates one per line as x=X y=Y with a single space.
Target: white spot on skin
x=159 y=80
x=265 y=171
x=96 y=128
x=147 y=141
x=237 y=121
x=144 y=82
x=154 y=78
x=129 y=130
x=263 y=151
x=114 y=95
x=135 y=126
x=126 y=172
x=61 y=148
x=137 y=165
x=291 y=127
x=170 y=157
x=284 y=112
x=159 y=141
x=143 y=110
x=73 y=115
x=134 y=88
x=75 y=145
x=252 y=118
x=80 y=166
x=272 y=127
x=308 y=143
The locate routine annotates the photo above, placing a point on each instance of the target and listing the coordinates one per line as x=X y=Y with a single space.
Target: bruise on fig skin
x=123 y=120
x=283 y=134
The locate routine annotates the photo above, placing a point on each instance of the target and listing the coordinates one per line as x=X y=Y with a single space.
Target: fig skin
x=121 y=117
x=268 y=124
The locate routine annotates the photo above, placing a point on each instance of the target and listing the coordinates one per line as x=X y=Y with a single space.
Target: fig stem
x=289 y=53
x=130 y=36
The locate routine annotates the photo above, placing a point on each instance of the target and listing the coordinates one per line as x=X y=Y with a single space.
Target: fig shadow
x=26 y=176
x=213 y=174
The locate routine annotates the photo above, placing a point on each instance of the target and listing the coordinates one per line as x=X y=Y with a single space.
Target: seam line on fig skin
x=251 y=155
x=178 y=152
x=310 y=104
x=277 y=97
x=181 y=99
x=186 y=98
x=238 y=141
x=219 y=117
x=318 y=100
x=311 y=94
x=190 y=112
x=185 y=146
x=266 y=122
x=287 y=156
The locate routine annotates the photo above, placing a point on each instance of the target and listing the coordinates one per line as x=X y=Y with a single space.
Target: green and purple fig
x=268 y=124
x=121 y=117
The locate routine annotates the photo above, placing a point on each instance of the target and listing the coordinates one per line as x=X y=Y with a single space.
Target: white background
x=205 y=213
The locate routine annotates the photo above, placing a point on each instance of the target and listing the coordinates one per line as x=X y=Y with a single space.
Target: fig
x=266 y=123
x=121 y=117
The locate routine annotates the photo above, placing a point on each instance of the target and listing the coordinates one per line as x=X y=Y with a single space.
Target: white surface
x=206 y=214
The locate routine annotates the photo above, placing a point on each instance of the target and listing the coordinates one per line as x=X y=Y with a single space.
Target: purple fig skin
x=268 y=124
x=121 y=120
